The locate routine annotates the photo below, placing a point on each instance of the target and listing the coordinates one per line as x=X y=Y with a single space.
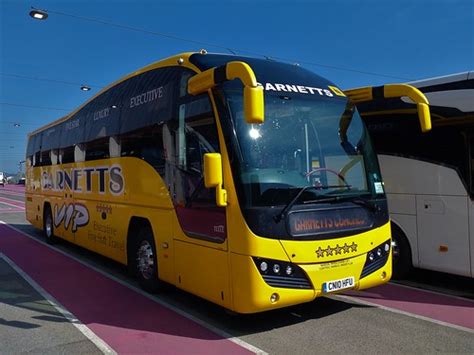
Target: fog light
x=276 y=269
x=371 y=256
x=379 y=252
x=274 y=297
x=289 y=270
x=263 y=266
x=384 y=275
x=387 y=247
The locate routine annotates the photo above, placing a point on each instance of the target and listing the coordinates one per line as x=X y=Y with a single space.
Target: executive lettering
x=146 y=97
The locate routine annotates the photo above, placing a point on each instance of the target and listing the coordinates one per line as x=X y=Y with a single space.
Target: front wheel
x=145 y=261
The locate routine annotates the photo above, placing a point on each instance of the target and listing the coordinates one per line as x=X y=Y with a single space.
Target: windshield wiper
x=290 y=204
x=357 y=200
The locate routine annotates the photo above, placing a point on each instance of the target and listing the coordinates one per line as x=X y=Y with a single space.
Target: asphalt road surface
x=64 y=299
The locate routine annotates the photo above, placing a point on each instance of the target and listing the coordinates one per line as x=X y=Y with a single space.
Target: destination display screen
x=310 y=222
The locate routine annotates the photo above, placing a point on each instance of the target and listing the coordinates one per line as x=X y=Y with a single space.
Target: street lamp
x=38 y=14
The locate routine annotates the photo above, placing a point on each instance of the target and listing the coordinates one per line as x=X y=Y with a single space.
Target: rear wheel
x=401 y=254
x=145 y=261
x=48 y=226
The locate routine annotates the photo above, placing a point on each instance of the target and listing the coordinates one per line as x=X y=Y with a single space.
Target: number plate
x=337 y=285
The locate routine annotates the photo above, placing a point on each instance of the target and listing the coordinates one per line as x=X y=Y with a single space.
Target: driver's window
x=196 y=134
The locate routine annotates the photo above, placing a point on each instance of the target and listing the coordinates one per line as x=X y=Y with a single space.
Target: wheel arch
x=47 y=204
x=401 y=231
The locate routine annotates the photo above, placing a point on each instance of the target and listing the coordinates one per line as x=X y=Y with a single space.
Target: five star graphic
x=338 y=250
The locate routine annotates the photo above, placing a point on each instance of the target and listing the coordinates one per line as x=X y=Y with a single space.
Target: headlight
x=277 y=273
x=376 y=258
x=276 y=269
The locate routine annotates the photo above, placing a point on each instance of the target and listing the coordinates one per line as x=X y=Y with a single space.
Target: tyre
x=48 y=226
x=401 y=254
x=144 y=260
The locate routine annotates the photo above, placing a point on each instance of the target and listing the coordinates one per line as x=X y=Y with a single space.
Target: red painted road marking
x=124 y=319
x=13 y=203
x=448 y=309
x=13 y=193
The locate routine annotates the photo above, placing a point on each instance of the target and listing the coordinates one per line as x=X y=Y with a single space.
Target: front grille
x=377 y=264
x=287 y=282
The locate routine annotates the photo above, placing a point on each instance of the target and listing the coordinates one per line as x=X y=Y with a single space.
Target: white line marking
x=10 y=204
x=156 y=299
x=433 y=292
x=89 y=334
x=394 y=310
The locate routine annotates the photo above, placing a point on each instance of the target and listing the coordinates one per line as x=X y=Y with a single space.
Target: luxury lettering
x=101 y=114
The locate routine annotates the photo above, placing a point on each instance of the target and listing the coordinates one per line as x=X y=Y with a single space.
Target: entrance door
x=196 y=206
x=200 y=236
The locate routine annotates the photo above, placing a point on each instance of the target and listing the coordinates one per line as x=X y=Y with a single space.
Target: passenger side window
x=97 y=149
x=146 y=144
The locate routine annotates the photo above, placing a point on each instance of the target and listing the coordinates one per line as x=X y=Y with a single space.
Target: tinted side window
x=67 y=155
x=45 y=158
x=97 y=149
x=146 y=144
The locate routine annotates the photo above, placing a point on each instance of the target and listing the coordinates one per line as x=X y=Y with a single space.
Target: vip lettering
x=101 y=114
x=76 y=214
x=146 y=97
x=308 y=90
x=107 y=179
x=72 y=124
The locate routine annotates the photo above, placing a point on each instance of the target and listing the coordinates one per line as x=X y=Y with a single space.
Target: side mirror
x=396 y=90
x=253 y=105
x=253 y=93
x=213 y=177
x=424 y=116
x=422 y=104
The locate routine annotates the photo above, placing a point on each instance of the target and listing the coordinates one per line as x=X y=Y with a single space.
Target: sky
x=350 y=42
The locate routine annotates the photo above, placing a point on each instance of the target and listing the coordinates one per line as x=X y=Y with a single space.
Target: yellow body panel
x=203 y=271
